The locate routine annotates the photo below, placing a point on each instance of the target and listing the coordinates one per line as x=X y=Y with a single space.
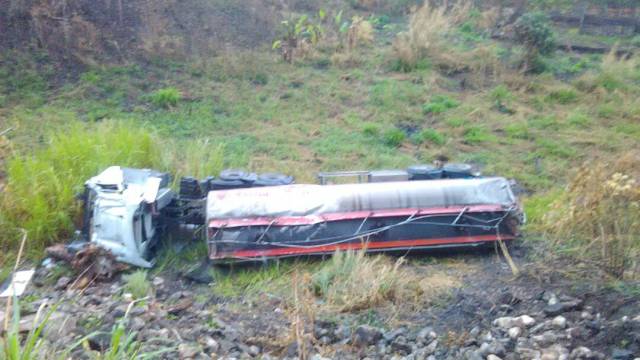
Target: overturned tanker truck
x=249 y=217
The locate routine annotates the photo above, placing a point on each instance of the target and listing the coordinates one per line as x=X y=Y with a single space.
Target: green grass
x=393 y=137
x=431 y=136
x=137 y=284
x=439 y=104
x=165 y=98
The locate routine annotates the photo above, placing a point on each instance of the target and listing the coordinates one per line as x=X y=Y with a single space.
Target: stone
x=210 y=344
x=580 y=352
x=514 y=332
x=426 y=334
x=187 y=351
x=253 y=350
x=366 y=335
x=621 y=354
x=507 y=322
x=431 y=348
x=559 y=322
x=493 y=357
x=63 y=282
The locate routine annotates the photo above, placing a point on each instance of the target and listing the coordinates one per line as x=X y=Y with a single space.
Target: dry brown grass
x=353 y=281
x=597 y=218
x=428 y=26
x=360 y=33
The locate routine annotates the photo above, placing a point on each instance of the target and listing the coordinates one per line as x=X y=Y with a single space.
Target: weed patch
x=597 y=217
x=393 y=137
x=137 y=284
x=431 y=136
x=165 y=98
x=439 y=104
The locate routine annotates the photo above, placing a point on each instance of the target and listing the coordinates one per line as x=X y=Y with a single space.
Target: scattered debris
x=17 y=283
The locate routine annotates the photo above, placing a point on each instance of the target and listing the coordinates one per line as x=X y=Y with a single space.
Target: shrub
x=534 y=32
x=165 y=98
x=137 y=284
x=432 y=136
x=439 y=104
x=597 y=216
x=394 y=137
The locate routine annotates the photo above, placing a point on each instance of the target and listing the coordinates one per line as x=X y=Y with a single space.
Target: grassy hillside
x=337 y=106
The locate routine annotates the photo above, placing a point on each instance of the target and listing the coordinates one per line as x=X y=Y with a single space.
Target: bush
x=432 y=136
x=534 y=32
x=40 y=192
x=137 y=284
x=165 y=98
x=439 y=104
x=597 y=217
x=394 y=137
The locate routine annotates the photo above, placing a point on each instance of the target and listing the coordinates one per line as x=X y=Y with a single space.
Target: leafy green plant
x=137 y=284
x=294 y=32
x=439 y=104
x=165 y=98
x=534 y=32
x=393 y=137
x=432 y=136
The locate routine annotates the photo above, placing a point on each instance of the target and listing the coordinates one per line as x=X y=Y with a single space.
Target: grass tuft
x=137 y=284
x=165 y=98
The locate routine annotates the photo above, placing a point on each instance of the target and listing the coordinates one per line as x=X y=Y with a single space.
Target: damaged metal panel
x=124 y=205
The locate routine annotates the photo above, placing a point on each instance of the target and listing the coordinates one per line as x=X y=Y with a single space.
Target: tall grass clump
x=428 y=27
x=353 y=281
x=597 y=218
x=165 y=98
x=40 y=191
x=616 y=73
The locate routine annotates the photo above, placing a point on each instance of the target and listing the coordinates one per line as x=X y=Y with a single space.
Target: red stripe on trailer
x=315 y=219
x=389 y=245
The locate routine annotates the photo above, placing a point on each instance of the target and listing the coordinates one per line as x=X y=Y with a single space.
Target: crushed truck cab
x=122 y=211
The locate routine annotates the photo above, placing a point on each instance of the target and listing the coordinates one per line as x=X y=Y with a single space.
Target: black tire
x=424 y=172
x=457 y=171
x=273 y=179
